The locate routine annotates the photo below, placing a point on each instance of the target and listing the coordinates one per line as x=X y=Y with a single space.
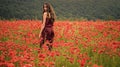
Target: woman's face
x=45 y=7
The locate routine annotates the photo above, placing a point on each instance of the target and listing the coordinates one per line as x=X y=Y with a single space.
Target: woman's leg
x=50 y=41
x=49 y=44
x=41 y=42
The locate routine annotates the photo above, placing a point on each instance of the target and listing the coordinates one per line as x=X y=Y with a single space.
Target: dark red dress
x=47 y=33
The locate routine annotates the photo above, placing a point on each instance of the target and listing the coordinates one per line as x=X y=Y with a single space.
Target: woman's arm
x=43 y=24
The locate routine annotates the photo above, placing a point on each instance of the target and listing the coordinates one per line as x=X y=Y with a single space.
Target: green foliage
x=4 y=39
x=71 y=9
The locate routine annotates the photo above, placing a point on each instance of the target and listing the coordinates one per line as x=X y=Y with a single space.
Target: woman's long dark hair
x=50 y=10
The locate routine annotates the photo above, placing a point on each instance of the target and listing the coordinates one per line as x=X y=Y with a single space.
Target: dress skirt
x=47 y=35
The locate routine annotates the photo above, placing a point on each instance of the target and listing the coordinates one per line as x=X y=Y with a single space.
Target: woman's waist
x=48 y=25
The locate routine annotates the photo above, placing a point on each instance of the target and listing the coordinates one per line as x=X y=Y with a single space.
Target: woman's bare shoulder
x=45 y=13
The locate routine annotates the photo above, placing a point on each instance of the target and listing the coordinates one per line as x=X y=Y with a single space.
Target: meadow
x=76 y=44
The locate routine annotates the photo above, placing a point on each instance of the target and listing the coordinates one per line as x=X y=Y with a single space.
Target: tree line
x=65 y=9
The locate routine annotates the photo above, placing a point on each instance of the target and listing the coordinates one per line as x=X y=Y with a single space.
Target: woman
x=46 y=32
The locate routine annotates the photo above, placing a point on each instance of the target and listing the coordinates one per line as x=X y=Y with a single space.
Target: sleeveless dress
x=47 y=33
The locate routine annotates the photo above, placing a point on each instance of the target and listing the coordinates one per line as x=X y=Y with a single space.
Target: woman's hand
x=39 y=34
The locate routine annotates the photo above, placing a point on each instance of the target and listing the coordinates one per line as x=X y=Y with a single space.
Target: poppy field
x=76 y=44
